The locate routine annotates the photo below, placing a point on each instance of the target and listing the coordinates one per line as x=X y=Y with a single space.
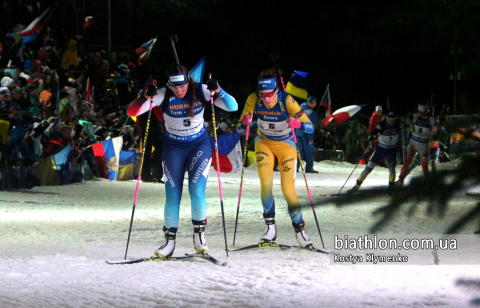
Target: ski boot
x=199 y=236
x=355 y=188
x=399 y=183
x=271 y=233
x=166 y=250
x=302 y=238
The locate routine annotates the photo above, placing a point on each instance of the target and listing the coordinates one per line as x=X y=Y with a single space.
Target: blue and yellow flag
x=125 y=169
x=297 y=85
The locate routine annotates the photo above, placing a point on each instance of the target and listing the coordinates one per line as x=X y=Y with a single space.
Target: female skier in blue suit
x=186 y=147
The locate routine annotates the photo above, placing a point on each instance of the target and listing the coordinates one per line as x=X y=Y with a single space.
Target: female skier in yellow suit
x=273 y=108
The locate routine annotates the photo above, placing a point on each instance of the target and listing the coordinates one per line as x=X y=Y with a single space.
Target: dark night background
x=403 y=51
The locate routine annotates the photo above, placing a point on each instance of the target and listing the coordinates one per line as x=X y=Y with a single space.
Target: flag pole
x=328 y=108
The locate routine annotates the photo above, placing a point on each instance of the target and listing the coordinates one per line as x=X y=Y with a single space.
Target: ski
x=206 y=257
x=281 y=246
x=186 y=256
x=155 y=259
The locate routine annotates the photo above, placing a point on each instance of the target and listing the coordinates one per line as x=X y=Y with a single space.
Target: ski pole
x=274 y=59
x=353 y=170
x=218 y=168
x=241 y=181
x=306 y=183
x=141 y=165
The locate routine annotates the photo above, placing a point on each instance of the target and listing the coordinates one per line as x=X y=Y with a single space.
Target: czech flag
x=297 y=85
x=229 y=152
x=343 y=114
x=107 y=155
x=38 y=22
x=326 y=102
x=144 y=51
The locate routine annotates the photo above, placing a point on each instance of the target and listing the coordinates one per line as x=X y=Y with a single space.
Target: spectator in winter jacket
x=47 y=109
x=70 y=56
x=353 y=142
x=304 y=140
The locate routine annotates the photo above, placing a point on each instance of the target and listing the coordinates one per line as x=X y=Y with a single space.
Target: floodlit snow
x=54 y=241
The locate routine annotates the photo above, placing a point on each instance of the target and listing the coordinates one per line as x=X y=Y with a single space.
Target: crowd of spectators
x=53 y=95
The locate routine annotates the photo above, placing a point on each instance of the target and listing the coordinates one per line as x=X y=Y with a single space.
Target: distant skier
x=434 y=147
x=424 y=126
x=387 y=132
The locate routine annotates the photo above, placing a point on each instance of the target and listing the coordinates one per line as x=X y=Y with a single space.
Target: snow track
x=54 y=241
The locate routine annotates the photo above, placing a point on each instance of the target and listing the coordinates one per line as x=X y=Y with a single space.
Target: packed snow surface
x=55 y=240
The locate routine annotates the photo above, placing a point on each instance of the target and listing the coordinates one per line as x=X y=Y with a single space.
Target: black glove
x=212 y=84
x=151 y=91
x=371 y=138
x=370 y=144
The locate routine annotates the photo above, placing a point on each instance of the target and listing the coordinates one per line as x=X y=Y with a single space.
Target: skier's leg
x=198 y=167
x=423 y=152
x=391 y=158
x=415 y=162
x=411 y=150
x=434 y=155
x=174 y=162
x=286 y=153
x=265 y=162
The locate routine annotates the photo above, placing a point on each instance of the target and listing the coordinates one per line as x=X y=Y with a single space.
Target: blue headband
x=177 y=79
x=267 y=84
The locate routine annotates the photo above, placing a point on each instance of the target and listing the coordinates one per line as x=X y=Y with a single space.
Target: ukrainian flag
x=125 y=169
x=297 y=85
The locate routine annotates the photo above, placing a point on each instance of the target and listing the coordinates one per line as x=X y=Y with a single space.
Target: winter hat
x=422 y=108
x=23 y=75
x=44 y=96
x=378 y=108
x=391 y=115
x=311 y=100
x=30 y=87
x=6 y=81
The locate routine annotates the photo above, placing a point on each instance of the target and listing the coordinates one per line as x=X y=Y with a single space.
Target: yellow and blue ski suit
x=275 y=138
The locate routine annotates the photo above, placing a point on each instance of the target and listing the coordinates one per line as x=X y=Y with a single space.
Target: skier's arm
x=142 y=104
x=221 y=99
x=294 y=109
x=313 y=119
x=247 y=110
x=376 y=130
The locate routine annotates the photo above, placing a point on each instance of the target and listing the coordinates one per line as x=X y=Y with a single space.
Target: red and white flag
x=326 y=102
x=38 y=22
x=89 y=93
x=343 y=114
x=229 y=152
